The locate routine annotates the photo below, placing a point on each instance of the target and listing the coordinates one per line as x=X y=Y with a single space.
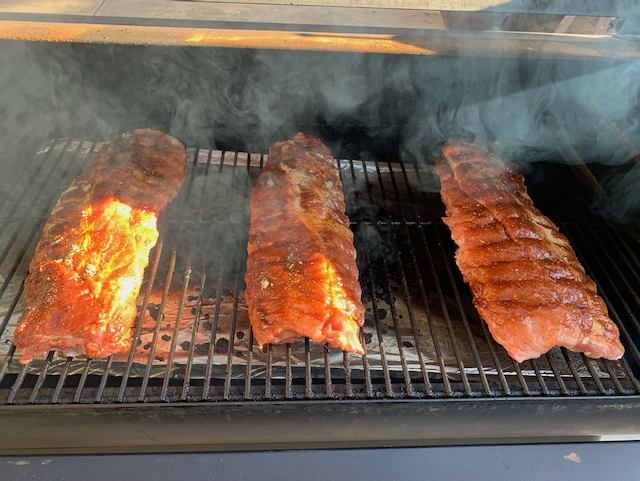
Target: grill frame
x=247 y=426
x=338 y=400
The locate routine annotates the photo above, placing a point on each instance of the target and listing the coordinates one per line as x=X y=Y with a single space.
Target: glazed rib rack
x=422 y=335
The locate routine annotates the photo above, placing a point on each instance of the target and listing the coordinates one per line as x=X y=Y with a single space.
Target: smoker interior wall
x=384 y=106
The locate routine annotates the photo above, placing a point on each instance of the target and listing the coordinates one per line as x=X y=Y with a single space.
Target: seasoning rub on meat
x=79 y=295
x=527 y=282
x=302 y=278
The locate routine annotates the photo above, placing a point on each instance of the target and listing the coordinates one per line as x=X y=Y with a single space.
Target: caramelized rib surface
x=527 y=282
x=302 y=279
x=89 y=264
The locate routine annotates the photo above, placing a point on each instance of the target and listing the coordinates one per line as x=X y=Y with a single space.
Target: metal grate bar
x=174 y=340
x=474 y=349
x=383 y=263
x=554 y=368
x=607 y=276
x=267 y=383
x=347 y=375
x=12 y=308
x=454 y=341
x=365 y=360
x=376 y=319
x=630 y=259
x=589 y=363
x=367 y=370
x=34 y=201
x=490 y=342
x=607 y=302
x=496 y=361
x=288 y=380
x=630 y=253
x=83 y=380
x=572 y=368
x=432 y=329
x=241 y=256
x=163 y=304
x=248 y=371
x=31 y=171
x=485 y=385
x=221 y=261
x=49 y=190
x=523 y=382
x=103 y=381
x=618 y=270
x=616 y=239
x=327 y=373
x=590 y=273
x=16 y=385
x=405 y=287
x=627 y=370
x=251 y=340
x=186 y=385
x=385 y=270
x=541 y=381
x=465 y=381
x=307 y=370
x=29 y=185
x=345 y=357
x=614 y=263
x=161 y=313
x=55 y=399
x=600 y=367
x=414 y=328
x=5 y=364
x=613 y=376
x=138 y=329
x=576 y=376
x=43 y=375
x=383 y=357
x=229 y=367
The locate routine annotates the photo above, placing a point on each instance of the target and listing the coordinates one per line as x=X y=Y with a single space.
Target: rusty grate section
x=424 y=339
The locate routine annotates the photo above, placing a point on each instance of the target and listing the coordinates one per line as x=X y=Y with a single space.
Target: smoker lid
x=560 y=29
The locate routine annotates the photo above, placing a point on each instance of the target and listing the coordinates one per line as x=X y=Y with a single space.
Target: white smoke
x=389 y=106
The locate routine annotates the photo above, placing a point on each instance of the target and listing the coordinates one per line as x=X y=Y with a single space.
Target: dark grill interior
x=423 y=337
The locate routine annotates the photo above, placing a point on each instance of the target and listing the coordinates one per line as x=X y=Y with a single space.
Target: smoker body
x=432 y=375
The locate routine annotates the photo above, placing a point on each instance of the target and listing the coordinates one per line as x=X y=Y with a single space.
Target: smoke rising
x=387 y=106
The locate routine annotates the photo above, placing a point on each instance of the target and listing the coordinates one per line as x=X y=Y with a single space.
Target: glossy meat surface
x=302 y=278
x=89 y=264
x=527 y=282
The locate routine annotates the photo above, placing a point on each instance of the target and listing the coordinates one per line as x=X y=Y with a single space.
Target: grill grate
x=424 y=339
